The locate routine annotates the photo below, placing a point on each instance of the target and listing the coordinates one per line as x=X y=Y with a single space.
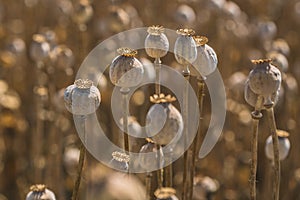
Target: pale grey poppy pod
x=120 y=161
x=251 y=97
x=164 y=121
x=279 y=60
x=40 y=192
x=126 y=70
x=185 y=48
x=284 y=145
x=39 y=48
x=82 y=98
x=206 y=62
x=264 y=79
x=148 y=162
x=165 y=193
x=156 y=42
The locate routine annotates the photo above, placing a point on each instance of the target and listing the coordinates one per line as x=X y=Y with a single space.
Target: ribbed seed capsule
x=265 y=80
x=251 y=97
x=120 y=161
x=126 y=70
x=82 y=98
x=206 y=62
x=39 y=48
x=40 y=192
x=185 y=48
x=279 y=60
x=284 y=145
x=164 y=121
x=165 y=193
x=156 y=42
x=149 y=161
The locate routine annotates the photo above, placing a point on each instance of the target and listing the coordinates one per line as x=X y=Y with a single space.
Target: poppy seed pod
x=265 y=80
x=185 y=48
x=279 y=60
x=147 y=162
x=83 y=12
x=40 y=192
x=284 y=145
x=82 y=98
x=164 y=121
x=120 y=161
x=251 y=97
x=206 y=62
x=39 y=48
x=165 y=193
x=126 y=70
x=63 y=57
x=156 y=42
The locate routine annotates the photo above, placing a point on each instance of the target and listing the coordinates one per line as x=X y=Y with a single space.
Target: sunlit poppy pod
x=185 y=48
x=264 y=79
x=83 y=12
x=165 y=193
x=164 y=121
x=40 y=192
x=147 y=162
x=284 y=145
x=156 y=42
x=251 y=97
x=39 y=48
x=63 y=57
x=206 y=62
x=120 y=160
x=126 y=70
x=82 y=98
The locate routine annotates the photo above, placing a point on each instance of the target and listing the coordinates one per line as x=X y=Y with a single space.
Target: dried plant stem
x=186 y=167
x=80 y=163
x=273 y=129
x=148 y=185
x=160 y=171
x=157 y=65
x=79 y=173
x=197 y=142
x=125 y=102
x=169 y=175
x=256 y=115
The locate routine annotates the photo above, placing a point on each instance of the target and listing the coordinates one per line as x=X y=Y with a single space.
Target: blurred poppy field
x=43 y=44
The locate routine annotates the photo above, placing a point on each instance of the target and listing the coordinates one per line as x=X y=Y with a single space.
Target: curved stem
x=273 y=129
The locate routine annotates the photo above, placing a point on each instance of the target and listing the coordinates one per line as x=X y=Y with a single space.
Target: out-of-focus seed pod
x=267 y=30
x=206 y=62
x=156 y=42
x=205 y=187
x=83 y=12
x=281 y=46
x=63 y=57
x=126 y=70
x=82 y=98
x=251 y=97
x=185 y=48
x=279 y=60
x=39 y=48
x=165 y=193
x=184 y=14
x=40 y=192
x=147 y=162
x=265 y=80
x=120 y=161
x=164 y=121
x=284 y=145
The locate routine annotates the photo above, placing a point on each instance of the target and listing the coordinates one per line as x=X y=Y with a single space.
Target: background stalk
x=157 y=65
x=273 y=129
